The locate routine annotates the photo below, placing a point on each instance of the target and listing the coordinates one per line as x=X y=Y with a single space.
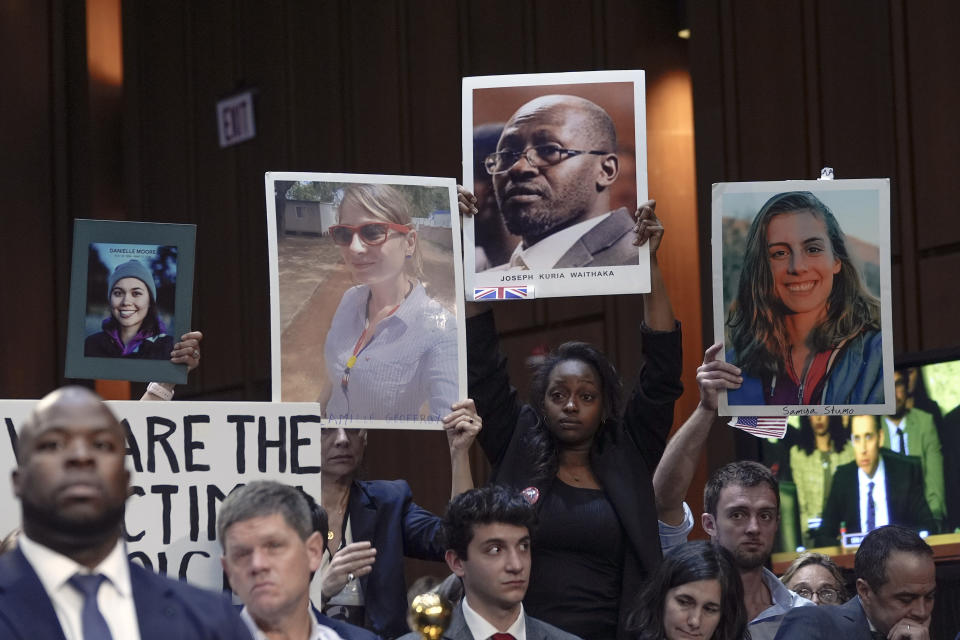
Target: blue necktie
x=91 y=620
x=903 y=441
x=871 y=509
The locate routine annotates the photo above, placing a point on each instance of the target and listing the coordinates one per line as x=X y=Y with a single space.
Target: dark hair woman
x=804 y=328
x=583 y=459
x=696 y=592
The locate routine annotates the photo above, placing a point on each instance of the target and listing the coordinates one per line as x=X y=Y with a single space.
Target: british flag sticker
x=503 y=293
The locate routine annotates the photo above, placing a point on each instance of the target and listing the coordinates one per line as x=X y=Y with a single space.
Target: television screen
x=852 y=473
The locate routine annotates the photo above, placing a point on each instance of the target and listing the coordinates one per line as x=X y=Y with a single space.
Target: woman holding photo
x=134 y=328
x=391 y=352
x=803 y=327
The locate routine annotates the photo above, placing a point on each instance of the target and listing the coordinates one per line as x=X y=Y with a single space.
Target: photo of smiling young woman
x=135 y=325
x=802 y=311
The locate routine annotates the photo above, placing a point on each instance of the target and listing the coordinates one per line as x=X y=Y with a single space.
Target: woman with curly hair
x=804 y=329
x=583 y=459
x=695 y=593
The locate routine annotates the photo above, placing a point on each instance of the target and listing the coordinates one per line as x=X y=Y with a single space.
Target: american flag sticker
x=503 y=293
x=762 y=427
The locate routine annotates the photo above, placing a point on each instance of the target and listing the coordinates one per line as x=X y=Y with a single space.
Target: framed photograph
x=801 y=294
x=366 y=316
x=558 y=162
x=131 y=297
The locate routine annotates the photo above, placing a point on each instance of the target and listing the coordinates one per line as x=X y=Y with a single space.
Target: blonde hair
x=389 y=204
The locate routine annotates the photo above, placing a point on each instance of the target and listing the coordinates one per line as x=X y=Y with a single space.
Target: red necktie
x=502 y=636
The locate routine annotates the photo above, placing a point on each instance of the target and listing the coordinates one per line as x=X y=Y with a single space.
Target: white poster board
x=562 y=228
x=802 y=300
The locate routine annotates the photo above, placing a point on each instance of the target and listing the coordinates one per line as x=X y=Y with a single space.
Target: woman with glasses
x=391 y=352
x=817 y=578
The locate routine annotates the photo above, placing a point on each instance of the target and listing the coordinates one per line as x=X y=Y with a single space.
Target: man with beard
x=552 y=172
x=69 y=578
x=741 y=502
x=912 y=432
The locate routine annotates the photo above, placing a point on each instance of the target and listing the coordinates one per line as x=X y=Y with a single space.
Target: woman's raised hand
x=187 y=351
x=466 y=201
x=462 y=426
x=648 y=227
x=714 y=375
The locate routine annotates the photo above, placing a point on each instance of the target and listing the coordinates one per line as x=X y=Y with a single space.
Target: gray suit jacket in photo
x=847 y=621
x=458 y=629
x=608 y=244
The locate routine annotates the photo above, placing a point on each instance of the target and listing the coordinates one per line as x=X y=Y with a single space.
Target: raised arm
x=675 y=471
x=649 y=411
x=462 y=426
x=187 y=352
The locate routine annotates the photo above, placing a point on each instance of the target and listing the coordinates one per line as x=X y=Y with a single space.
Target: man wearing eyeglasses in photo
x=552 y=172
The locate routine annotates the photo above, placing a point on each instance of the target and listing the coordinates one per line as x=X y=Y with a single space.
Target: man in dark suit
x=555 y=163
x=896 y=581
x=488 y=538
x=69 y=576
x=273 y=541
x=879 y=487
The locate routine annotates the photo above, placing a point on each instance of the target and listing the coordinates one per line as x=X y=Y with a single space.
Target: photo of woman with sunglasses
x=391 y=351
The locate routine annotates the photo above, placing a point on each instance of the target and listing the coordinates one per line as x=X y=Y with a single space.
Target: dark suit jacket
x=624 y=454
x=165 y=608
x=847 y=621
x=906 y=503
x=458 y=629
x=610 y=243
x=383 y=512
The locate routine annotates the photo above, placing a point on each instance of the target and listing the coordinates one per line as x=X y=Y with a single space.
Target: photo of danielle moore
x=803 y=326
x=133 y=327
x=391 y=351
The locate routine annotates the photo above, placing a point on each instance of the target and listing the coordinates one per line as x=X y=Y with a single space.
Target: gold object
x=329 y=535
x=429 y=615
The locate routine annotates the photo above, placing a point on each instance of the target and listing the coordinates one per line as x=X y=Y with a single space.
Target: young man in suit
x=487 y=531
x=273 y=541
x=896 y=581
x=879 y=487
x=69 y=578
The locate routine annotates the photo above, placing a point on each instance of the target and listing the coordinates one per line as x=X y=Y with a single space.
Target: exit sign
x=235 y=119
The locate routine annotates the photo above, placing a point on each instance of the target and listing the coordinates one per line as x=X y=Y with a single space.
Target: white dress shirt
x=547 y=252
x=317 y=630
x=879 y=496
x=114 y=598
x=482 y=630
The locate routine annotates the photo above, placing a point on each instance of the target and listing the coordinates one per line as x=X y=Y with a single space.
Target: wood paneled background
x=779 y=89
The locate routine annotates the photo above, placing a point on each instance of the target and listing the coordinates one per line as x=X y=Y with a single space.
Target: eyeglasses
x=543 y=155
x=371 y=233
x=828 y=595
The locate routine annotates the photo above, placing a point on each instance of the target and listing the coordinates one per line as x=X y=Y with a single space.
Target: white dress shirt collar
x=546 y=253
x=317 y=631
x=481 y=629
x=115 y=598
x=879 y=480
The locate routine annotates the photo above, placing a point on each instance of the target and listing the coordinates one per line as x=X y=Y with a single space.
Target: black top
x=577 y=562
x=103 y=345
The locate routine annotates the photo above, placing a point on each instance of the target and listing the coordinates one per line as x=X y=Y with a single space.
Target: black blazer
x=165 y=608
x=906 y=503
x=847 y=621
x=624 y=454
x=383 y=512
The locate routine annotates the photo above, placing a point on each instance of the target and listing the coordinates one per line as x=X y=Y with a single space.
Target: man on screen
x=879 y=487
x=552 y=172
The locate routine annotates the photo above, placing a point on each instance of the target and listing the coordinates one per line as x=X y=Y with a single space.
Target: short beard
x=750 y=561
x=79 y=529
x=530 y=224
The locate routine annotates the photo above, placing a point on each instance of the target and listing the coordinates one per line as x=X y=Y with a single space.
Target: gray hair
x=265 y=498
